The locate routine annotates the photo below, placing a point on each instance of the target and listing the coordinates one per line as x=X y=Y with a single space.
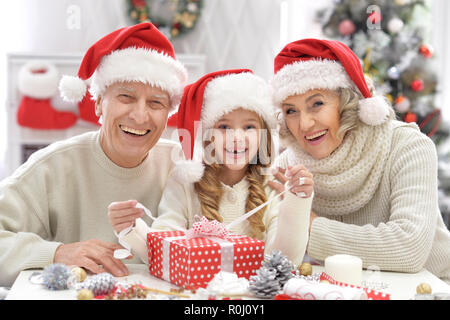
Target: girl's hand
x=123 y=214
x=300 y=181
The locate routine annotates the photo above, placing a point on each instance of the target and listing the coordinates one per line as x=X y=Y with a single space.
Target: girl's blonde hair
x=210 y=191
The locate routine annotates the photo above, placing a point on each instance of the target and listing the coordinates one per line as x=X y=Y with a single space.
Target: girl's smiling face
x=313 y=119
x=236 y=137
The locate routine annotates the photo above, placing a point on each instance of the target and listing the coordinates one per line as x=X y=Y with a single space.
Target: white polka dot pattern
x=194 y=262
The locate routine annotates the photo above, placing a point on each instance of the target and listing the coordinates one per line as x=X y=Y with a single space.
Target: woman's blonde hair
x=209 y=189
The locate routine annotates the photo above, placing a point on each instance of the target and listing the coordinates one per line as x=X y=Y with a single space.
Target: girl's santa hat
x=207 y=100
x=325 y=64
x=138 y=53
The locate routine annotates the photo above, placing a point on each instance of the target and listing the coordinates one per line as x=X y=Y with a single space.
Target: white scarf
x=346 y=180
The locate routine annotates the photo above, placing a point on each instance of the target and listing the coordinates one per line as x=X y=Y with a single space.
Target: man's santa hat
x=139 y=53
x=325 y=64
x=207 y=100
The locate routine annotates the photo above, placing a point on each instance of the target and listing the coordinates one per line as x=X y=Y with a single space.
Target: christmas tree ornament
x=347 y=27
x=38 y=83
x=393 y=73
x=417 y=85
x=423 y=288
x=56 y=276
x=395 y=25
x=305 y=269
x=265 y=284
x=402 y=2
x=99 y=284
x=85 y=294
x=374 y=18
x=402 y=104
x=281 y=264
x=410 y=117
x=426 y=51
x=79 y=274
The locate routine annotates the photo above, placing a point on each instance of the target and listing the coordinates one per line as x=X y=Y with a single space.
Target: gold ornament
x=324 y=281
x=423 y=288
x=305 y=269
x=85 y=294
x=174 y=32
x=79 y=274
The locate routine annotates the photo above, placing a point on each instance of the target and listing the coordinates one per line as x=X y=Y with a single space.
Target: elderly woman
x=375 y=178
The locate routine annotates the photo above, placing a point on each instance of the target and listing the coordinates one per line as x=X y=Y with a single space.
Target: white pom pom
x=374 y=111
x=72 y=89
x=188 y=171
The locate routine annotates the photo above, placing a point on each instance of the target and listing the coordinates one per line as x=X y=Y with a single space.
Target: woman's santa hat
x=207 y=100
x=325 y=64
x=139 y=53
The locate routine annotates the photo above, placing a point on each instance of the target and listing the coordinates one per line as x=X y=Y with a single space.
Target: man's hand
x=93 y=255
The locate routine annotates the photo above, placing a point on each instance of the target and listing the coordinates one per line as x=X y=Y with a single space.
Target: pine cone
x=281 y=264
x=264 y=284
x=56 y=276
x=99 y=284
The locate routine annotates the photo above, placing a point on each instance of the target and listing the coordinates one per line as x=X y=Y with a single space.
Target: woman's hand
x=298 y=178
x=124 y=214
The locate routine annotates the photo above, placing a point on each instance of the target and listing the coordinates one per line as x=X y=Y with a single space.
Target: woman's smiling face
x=313 y=119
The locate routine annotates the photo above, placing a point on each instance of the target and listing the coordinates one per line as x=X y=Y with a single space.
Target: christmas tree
x=390 y=39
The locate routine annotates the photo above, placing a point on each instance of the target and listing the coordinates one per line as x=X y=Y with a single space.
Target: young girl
x=233 y=109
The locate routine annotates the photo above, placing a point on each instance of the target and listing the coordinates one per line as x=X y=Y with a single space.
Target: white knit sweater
x=61 y=194
x=286 y=221
x=400 y=228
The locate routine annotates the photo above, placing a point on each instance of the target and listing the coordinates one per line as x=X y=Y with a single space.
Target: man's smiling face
x=134 y=116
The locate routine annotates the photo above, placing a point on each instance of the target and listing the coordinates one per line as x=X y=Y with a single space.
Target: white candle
x=344 y=268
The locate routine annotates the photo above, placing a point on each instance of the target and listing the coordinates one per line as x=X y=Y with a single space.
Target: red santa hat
x=325 y=64
x=138 y=53
x=208 y=99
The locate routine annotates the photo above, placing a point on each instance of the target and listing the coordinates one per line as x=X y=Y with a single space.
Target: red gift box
x=192 y=263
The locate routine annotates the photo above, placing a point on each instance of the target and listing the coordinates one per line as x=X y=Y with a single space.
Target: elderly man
x=54 y=207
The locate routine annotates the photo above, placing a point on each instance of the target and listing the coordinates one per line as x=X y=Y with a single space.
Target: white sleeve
x=292 y=224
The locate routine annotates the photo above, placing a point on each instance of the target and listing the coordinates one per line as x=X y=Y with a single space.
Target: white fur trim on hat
x=374 y=111
x=301 y=76
x=188 y=171
x=232 y=91
x=39 y=85
x=140 y=65
x=72 y=89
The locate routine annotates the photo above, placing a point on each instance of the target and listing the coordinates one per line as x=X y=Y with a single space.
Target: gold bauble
x=305 y=269
x=423 y=288
x=174 y=32
x=79 y=274
x=85 y=294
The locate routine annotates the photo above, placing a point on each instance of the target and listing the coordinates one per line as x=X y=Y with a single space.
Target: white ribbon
x=124 y=253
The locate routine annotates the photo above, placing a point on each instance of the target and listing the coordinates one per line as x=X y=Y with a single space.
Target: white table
x=401 y=286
